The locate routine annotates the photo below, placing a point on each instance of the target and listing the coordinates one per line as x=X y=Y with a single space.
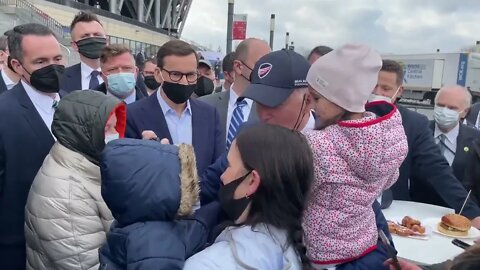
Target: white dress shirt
x=129 y=99
x=9 y=83
x=43 y=104
x=180 y=127
x=450 y=142
x=232 y=100
x=86 y=73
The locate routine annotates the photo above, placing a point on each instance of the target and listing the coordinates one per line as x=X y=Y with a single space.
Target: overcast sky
x=390 y=26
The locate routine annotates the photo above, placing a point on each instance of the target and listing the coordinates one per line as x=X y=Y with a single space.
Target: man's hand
x=164 y=141
x=149 y=135
x=403 y=264
x=476 y=222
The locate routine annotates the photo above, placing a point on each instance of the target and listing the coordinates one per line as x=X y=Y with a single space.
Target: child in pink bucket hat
x=357 y=155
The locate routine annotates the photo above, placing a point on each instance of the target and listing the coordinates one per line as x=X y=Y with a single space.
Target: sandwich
x=454 y=225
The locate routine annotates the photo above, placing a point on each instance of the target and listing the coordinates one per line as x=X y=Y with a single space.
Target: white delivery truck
x=425 y=74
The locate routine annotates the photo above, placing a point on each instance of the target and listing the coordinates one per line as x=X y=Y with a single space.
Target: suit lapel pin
x=466 y=149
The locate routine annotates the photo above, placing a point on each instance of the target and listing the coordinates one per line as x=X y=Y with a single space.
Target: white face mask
x=445 y=117
x=374 y=97
x=111 y=137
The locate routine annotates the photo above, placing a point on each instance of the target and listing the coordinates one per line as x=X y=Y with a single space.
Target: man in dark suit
x=119 y=73
x=454 y=138
x=25 y=137
x=88 y=39
x=228 y=73
x=8 y=78
x=246 y=55
x=472 y=116
x=171 y=114
x=425 y=170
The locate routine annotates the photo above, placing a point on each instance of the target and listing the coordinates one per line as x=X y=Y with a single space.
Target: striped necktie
x=235 y=122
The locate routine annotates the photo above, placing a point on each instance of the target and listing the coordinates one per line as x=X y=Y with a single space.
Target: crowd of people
x=287 y=165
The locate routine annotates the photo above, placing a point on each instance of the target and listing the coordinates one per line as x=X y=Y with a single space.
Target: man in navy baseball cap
x=280 y=88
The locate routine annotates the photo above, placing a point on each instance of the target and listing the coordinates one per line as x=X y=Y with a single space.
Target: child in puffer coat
x=357 y=155
x=151 y=189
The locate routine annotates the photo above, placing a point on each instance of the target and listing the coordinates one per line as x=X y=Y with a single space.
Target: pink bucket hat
x=346 y=76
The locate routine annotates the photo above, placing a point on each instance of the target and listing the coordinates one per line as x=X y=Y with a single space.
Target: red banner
x=239 y=31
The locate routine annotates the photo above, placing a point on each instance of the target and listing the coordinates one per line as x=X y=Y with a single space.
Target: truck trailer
x=425 y=74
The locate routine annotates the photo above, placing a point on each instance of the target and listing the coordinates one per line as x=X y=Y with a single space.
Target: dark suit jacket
x=218 y=89
x=72 y=79
x=465 y=140
x=3 y=86
x=207 y=137
x=138 y=93
x=220 y=102
x=426 y=170
x=472 y=172
x=24 y=143
x=473 y=114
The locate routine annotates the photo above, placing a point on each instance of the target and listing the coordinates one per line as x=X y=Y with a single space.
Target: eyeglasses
x=177 y=76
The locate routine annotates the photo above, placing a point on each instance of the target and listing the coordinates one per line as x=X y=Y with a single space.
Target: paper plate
x=434 y=222
x=425 y=236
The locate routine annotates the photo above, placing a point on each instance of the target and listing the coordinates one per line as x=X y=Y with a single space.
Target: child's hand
x=403 y=264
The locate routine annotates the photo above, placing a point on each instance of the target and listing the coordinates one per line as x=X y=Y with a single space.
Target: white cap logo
x=264 y=69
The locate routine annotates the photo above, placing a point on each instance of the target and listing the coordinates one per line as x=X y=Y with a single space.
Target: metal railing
x=28 y=10
x=108 y=14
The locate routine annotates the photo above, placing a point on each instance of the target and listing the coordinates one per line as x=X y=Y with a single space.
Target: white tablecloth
x=437 y=249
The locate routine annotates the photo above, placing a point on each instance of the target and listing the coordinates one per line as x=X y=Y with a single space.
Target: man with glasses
x=172 y=114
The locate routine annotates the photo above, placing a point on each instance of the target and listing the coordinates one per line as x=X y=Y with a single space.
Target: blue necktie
x=94 y=80
x=235 y=122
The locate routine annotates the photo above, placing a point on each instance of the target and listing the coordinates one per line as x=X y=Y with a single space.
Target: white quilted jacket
x=66 y=219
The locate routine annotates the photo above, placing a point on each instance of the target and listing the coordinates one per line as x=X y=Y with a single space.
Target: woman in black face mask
x=264 y=191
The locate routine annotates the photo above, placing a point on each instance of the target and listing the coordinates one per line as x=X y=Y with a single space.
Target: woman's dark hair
x=283 y=159
x=468 y=260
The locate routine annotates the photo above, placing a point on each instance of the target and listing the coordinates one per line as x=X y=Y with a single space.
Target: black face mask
x=178 y=93
x=47 y=79
x=151 y=83
x=91 y=47
x=233 y=207
x=251 y=71
x=205 y=86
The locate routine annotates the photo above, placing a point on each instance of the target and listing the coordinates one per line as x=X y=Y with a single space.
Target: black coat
x=472 y=172
x=25 y=141
x=3 y=86
x=425 y=170
x=473 y=114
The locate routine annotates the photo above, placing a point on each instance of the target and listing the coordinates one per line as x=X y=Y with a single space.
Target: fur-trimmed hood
x=148 y=181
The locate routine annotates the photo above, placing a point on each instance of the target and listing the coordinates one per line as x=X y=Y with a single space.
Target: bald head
x=247 y=54
x=248 y=47
x=455 y=97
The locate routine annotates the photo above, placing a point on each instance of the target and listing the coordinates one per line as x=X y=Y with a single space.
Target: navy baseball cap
x=275 y=77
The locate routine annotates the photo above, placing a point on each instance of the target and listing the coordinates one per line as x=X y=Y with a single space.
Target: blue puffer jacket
x=151 y=190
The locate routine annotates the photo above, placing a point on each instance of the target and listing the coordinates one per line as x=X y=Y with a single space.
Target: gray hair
x=468 y=96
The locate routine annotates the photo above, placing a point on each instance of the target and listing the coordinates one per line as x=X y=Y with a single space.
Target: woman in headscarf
x=66 y=219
